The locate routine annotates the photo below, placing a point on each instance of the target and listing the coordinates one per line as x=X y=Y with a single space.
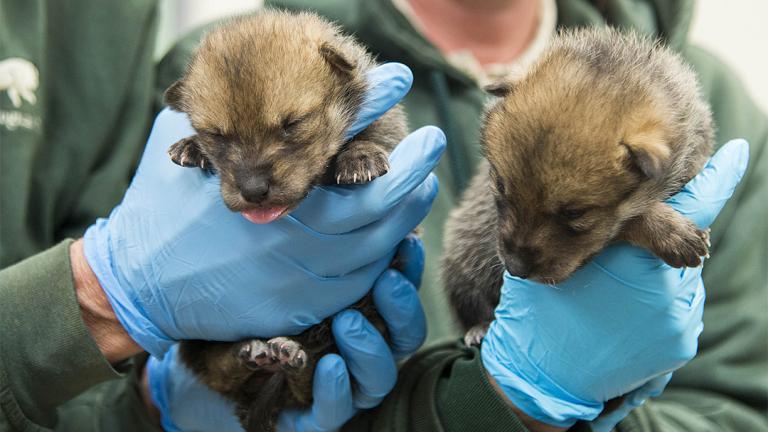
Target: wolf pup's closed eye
x=271 y=97
x=581 y=151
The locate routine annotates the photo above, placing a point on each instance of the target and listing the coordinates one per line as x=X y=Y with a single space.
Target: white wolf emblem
x=19 y=78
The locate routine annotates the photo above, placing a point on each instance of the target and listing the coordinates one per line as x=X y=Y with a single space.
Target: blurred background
x=735 y=30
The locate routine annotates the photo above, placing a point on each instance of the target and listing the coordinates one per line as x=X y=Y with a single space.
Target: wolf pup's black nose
x=517 y=267
x=254 y=188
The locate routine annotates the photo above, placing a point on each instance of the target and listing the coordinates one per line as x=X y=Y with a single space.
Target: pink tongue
x=264 y=215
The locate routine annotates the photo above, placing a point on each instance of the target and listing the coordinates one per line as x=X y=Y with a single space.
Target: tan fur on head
x=597 y=130
x=647 y=146
x=272 y=95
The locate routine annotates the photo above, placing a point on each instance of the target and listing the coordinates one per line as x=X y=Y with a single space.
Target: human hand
x=186 y=404
x=621 y=323
x=175 y=263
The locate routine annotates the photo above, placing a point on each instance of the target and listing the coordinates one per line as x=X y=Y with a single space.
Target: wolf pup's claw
x=475 y=335
x=288 y=353
x=255 y=354
x=361 y=164
x=186 y=153
x=685 y=246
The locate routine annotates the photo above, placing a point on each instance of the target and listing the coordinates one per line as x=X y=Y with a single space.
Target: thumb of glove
x=703 y=197
x=634 y=399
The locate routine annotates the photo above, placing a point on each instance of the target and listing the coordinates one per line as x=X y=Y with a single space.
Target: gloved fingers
x=398 y=303
x=169 y=127
x=628 y=264
x=687 y=325
x=387 y=84
x=332 y=404
x=342 y=209
x=409 y=259
x=703 y=197
x=692 y=294
x=158 y=371
x=377 y=239
x=367 y=356
x=650 y=389
x=634 y=399
x=186 y=404
x=156 y=166
x=327 y=297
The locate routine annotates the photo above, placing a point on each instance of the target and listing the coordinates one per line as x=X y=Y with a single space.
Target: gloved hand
x=621 y=323
x=175 y=263
x=188 y=405
x=636 y=398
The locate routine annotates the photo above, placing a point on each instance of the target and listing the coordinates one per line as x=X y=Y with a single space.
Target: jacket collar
x=380 y=24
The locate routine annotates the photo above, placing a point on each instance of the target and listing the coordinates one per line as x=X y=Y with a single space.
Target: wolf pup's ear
x=499 y=89
x=648 y=152
x=174 y=95
x=336 y=59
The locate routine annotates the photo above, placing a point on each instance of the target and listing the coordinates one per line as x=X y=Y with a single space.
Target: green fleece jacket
x=66 y=158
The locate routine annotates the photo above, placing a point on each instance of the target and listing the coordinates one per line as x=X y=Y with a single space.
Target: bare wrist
x=99 y=317
x=532 y=424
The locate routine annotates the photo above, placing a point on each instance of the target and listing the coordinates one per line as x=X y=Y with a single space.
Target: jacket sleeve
x=46 y=353
x=725 y=387
x=441 y=388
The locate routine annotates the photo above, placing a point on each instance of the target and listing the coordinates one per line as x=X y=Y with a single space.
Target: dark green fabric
x=443 y=388
x=65 y=159
x=72 y=160
x=46 y=354
x=115 y=405
x=98 y=91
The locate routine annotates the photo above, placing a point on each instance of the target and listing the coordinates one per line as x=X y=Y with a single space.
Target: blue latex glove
x=636 y=398
x=186 y=404
x=621 y=323
x=175 y=263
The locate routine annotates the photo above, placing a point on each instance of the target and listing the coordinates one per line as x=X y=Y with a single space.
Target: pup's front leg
x=186 y=152
x=668 y=235
x=359 y=162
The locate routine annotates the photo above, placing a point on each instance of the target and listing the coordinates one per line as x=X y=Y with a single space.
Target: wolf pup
x=271 y=97
x=581 y=151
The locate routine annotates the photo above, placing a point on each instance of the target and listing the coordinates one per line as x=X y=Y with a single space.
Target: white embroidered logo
x=20 y=79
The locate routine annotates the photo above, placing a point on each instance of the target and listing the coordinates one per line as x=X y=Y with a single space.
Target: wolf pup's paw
x=288 y=353
x=475 y=335
x=256 y=354
x=361 y=163
x=684 y=246
x=187 y=153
